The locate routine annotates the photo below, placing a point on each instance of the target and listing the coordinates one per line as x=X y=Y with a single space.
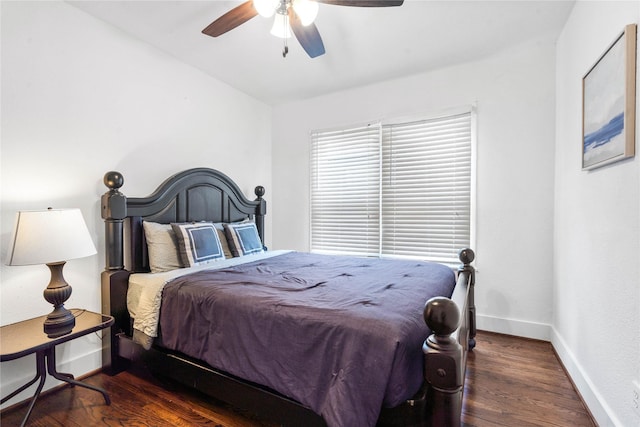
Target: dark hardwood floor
x=510 y=382
x=519 y=382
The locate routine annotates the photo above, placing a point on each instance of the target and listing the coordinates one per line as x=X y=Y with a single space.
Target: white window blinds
x=426 y=188
x=345 y=191
x=398 y=189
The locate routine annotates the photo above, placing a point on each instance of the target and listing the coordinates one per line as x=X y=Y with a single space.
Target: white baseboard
x=520 y=328
x=594 y=401
x=599 y=410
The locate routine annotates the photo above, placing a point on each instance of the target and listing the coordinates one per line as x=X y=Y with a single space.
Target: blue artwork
x=605 y=134
x=604 y=108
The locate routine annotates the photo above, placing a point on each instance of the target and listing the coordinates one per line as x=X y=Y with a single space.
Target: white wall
x=597 y=232
x=80 y=98
x=514 y=94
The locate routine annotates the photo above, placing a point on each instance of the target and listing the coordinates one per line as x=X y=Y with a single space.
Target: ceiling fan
x=297 y=15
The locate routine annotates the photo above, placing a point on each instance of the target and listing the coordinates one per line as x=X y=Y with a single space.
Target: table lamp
x=51 y=237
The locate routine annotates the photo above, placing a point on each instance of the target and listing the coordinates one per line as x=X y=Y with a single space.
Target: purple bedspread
x=341 y=335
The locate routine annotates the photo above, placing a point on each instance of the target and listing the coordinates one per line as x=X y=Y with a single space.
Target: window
x=399 y=189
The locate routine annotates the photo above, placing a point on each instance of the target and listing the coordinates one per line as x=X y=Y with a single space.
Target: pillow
x=198 y=243
x=223 y=239
x=162 y=246
x=243 y=238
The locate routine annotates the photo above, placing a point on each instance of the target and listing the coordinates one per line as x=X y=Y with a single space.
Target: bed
x=295 y=338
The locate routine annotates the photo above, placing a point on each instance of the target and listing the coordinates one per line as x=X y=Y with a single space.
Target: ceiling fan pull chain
x=285 y=29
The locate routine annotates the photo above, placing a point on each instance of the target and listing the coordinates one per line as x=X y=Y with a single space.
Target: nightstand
x=26 y=337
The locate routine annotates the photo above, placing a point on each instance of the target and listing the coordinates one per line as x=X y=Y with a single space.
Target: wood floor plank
x=510 y=382
x=519 y=382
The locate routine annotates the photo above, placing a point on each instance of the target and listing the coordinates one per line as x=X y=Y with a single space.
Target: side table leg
x=24 y=387
x=68 y=378
x=42 y=375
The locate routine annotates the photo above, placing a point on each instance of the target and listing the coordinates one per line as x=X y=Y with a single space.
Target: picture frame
x=608 y=104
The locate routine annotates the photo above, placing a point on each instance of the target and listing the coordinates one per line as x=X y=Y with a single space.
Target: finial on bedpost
x=259 y=191
x=466 y=256
x=113 y=180
x=114 y=210
x=442 y=317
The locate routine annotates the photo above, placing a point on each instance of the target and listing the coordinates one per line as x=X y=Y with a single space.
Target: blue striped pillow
x=198 y=243
x=243 y=238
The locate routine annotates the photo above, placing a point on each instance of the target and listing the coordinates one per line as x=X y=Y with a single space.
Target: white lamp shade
x=281 y=26
x=49 y=236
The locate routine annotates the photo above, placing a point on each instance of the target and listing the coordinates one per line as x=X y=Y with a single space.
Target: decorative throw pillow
x=162 y=246
x=223 y=239
x=243 y=238
x=198 y=243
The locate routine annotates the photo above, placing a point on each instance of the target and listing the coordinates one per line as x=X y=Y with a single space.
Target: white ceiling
x=363 y=45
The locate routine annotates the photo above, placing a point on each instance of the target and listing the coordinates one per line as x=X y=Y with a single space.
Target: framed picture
x=608 y=104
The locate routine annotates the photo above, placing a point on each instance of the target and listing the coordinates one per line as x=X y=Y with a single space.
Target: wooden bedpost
x=445 y=353
x=261 y=211
x=444 y=363
x=114 y=210
x=114 y=278
x=468 y=272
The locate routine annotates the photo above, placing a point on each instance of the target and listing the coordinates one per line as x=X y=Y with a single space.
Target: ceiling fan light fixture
x=281 y=26
x=266 y=8
x=307 y=10
x=292 y=17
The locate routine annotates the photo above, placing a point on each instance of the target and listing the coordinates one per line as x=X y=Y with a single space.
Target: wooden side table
x=26 y=337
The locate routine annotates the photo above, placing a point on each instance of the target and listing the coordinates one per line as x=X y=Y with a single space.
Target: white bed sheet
x=144 y=296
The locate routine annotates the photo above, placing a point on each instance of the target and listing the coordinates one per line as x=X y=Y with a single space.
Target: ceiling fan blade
x=363 y=3
x=230 y=20
x=308 y=36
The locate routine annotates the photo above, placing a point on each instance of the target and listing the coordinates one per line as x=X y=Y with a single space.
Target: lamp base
x=59 y=322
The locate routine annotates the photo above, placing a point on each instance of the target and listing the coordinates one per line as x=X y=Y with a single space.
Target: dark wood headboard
x=199 y=194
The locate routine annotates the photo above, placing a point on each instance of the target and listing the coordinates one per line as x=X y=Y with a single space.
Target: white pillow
x=162 y=246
